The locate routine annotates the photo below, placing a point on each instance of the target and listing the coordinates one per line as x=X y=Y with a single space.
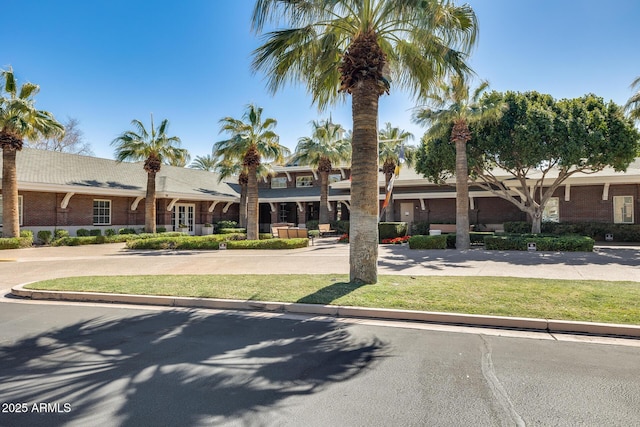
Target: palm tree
x=252 y=141
x=204 y=163
x=326 y=147
x=454 y=105
x=392 y=151
x=354 y=47
x=19 y=120
x=633 y=104
x=154 y=148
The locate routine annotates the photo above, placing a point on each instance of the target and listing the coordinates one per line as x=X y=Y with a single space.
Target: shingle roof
x=41 y=170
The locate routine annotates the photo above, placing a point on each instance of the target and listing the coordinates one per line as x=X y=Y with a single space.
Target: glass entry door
x=183 y=214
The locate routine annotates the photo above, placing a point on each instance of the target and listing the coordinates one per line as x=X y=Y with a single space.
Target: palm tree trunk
x=324 y=197
x=243 y=206
x=252 y=204
x=150 y=204
x=388 y=213
x=460 y=132
x=10 y=208
x=363 y=231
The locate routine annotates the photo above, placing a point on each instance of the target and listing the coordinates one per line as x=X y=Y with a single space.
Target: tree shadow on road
x=177 y=367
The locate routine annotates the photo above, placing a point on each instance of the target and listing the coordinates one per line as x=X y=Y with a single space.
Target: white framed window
x=551 y=212
x=101 y=212
x=304 y=181
x=334 y=177
x=279 y=182
x=19 y=210
x=623 y=210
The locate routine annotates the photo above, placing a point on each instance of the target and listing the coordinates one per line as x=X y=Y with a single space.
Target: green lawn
x=585 y=300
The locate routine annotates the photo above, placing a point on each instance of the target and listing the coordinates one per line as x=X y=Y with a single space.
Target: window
x=551 y=211
x=304 y=181
x=102 y=212
x=19 y=210
x=623 y=209
x=279 y=182
x=334 y=177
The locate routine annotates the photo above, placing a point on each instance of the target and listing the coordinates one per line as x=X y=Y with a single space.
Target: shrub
x=161 y=229
x=391 y=230
x=45 y=236
x=312 y=224
x=344 y=238
x=314 y=233
x=420 y=228
x=396 y=240
x=475 y=238
x=82 y=232
x=127 y=231
x=231 y=230
x=59 y=234
x=109 y=232
x=227 y=224
x=95 y=232
x=340 y=226
x=543 y=243
x=269 y=244
x=76 y=241
x=15 y=242
x=27 y=234
x=517 y=227
x=428 y=242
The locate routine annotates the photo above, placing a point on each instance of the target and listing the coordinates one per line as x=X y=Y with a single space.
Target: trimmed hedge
x=231 y=230
x=428 y=242
x=210 y=242
x=391 y=230
x=595 y=230
x=420 y=228
x=475 y=238
x=24 y=241
x=543 y=243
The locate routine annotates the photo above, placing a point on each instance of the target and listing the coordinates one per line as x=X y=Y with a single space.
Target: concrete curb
x=547 y=325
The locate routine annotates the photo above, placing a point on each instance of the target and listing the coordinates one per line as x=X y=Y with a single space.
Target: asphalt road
x=81 y=365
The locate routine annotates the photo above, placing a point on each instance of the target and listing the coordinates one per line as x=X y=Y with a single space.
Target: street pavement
x=86 y=365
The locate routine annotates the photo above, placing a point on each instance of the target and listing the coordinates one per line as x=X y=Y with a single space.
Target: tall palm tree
x=155 y=148
x=326 y=147
x=633 y=104
x=19 y=120
x=355 y=47
x=453 y=104
x=252 y=141
x=393 y=151
x=204 y=163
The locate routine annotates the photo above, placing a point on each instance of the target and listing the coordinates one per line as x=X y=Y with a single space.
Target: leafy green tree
x=393 y=151
x=204 y=163
x=633 y=104
x=19 y=120
x=155 y=147
x=541 y=142
x=252 y=141
x=326 y=147
x=357 y=47
x=454 y=104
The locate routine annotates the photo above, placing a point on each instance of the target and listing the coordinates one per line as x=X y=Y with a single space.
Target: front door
x=183 y=214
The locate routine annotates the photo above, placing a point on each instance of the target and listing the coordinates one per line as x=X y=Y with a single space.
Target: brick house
x=68 y=191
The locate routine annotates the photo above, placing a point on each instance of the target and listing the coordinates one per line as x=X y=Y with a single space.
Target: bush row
x=207 y=242
x=24 y=241
x=543 y=243
x=595 y=230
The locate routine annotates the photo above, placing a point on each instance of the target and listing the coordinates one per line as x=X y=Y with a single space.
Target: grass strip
x=582 y=300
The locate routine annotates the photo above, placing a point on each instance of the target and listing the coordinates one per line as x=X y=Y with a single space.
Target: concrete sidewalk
x=325 y=257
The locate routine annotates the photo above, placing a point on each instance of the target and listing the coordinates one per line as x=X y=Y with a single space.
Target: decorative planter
x=207 y=230
x=183 y=230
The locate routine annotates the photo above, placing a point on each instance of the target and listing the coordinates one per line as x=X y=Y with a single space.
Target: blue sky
x=106 y=62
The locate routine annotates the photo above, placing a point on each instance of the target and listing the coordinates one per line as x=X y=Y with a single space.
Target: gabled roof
x=42 y=170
